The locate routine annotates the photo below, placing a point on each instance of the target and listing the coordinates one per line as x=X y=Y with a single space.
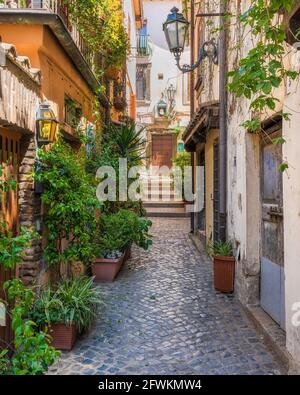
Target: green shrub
x=119 y=231
x=72 y=301
x=70 y=196
x=220 y=248
x=32 y=353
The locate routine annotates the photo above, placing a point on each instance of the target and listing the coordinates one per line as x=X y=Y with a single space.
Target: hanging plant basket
x=120 y=103
x=112 y=73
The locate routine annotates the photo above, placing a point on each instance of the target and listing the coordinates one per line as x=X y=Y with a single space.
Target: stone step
x=167 y=212
x=159 y=203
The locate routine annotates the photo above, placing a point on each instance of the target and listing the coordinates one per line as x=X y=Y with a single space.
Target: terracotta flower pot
x=224 y=270
x=63 y=336
x=106 y=270
x=112 y=73
x=120 y=103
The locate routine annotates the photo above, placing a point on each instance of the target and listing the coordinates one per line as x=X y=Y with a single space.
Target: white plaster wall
x=291 y=199
x=162 y=60
x=129 y=16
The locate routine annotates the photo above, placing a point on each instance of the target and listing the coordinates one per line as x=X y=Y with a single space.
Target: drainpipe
x=192 y=99
x=223 y=125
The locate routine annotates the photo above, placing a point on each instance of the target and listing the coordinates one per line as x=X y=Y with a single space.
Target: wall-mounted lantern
x=171 y=92
x=162 y=107
x=175 y=29
x=46 y=124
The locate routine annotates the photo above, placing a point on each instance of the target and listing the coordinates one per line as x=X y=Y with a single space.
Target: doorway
x=272 y=254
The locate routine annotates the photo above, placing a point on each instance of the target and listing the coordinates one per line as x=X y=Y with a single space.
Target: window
x=143 y=82
x=73 y=112
x=293 y=26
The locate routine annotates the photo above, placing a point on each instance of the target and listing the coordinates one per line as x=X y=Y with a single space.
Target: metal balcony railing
x=57 y=7
x=143 y=48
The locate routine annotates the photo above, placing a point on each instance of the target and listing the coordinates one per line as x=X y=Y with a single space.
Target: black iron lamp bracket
x=203 y=54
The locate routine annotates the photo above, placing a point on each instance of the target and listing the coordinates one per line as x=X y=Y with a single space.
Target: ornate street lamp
x=46 y=124
x=175 y=29
x=162 y=107
x=171 y=92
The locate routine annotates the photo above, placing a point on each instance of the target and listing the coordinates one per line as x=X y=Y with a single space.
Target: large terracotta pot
x=106 y=270
x=63 y=336
x=224 y=270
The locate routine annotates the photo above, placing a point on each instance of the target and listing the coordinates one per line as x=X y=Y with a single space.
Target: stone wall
x=30 y=210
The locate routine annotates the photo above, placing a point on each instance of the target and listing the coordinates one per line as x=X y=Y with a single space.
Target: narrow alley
x=162 y=316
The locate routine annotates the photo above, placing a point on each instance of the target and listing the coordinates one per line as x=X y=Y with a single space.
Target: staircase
x=160 y=199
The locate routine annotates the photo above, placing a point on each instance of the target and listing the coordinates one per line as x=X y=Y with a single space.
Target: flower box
x=63 y=336
x=106 y=270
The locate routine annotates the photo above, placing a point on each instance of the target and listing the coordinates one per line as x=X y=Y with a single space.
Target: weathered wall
x=291 y=201
x=209 y=182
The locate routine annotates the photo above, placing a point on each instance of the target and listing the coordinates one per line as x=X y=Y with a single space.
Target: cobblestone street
x=163 y=316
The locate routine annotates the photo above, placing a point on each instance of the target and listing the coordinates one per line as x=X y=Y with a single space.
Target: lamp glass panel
x=182 y=31
x=45 y=130
x=172 y=34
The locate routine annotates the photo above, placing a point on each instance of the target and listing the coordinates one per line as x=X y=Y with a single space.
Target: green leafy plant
x=220 y=248
x=119 y=231
x=70 y=197
x=12 y=247
x=32 y=354
x=180 y=161
x=263 y=69
x=120 y=142
x=73 y=301
x=101 y=25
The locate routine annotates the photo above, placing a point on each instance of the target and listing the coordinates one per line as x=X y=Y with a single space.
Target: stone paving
x=163 y=316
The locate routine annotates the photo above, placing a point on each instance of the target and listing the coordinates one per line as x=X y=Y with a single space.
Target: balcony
x=54 y=14
x=143 y=48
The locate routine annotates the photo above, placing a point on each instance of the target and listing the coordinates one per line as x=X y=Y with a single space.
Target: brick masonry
x=30 y=210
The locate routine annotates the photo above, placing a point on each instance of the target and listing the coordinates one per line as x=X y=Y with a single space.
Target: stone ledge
x=273 y=335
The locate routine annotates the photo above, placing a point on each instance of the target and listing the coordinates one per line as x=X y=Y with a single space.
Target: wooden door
x=272 y=259
x=9 y=160
x=162 y=149
x=216 y=193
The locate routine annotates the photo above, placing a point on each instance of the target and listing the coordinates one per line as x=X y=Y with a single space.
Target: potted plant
x=120 y=103
x=224 y=265
x=67 y=310
x=117 y=234
x=112 y=72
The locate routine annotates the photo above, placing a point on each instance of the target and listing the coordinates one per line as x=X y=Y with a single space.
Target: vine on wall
x=263 y=70
x=101 y=24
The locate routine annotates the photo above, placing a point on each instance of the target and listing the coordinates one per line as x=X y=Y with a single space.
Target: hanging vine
x=263 y=70
x=101 y=24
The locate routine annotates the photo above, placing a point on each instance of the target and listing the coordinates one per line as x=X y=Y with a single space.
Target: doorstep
x=273 y=336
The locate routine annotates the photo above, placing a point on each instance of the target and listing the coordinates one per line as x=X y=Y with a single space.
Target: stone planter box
x=63 y=336
x=106 y=270
x=224 y=270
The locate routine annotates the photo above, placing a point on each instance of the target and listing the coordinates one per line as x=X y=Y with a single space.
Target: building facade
x=52 y=63
x=162 y=92
x=261 y=203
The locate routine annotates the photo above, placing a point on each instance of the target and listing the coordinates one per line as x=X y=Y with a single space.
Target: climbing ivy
x=101 y=24
x=262 y=69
